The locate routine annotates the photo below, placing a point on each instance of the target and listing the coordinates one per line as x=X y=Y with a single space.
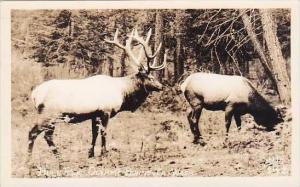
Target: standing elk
x=233 y=94
x=96 y=98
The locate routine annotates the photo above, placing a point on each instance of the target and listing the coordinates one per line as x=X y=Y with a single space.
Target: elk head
x=142 y=72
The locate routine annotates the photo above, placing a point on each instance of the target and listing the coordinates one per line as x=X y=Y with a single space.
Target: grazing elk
x=96 y=98
x=233 y=94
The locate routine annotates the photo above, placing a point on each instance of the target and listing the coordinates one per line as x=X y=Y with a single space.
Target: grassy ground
x=145 y=143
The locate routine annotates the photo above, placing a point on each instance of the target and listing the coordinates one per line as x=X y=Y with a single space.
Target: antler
x=147 y=50
x=145 y=47
x=126 y=48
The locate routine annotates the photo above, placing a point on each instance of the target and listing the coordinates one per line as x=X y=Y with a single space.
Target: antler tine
x=139 y=40
x=152 y=66
x=143 y=42
x=129 y=40
x=148 y=36
x=135 y=33
x=156 y=52
x=147 y=51
x=132 y=35
x=162 y=66
x=126 y=48
x=115 y=41
x=116 y=35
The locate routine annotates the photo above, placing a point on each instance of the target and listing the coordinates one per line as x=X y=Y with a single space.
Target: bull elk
x=97 y=98
x=233 y=94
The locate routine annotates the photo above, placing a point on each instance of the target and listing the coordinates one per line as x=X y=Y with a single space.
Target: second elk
x=233 y=94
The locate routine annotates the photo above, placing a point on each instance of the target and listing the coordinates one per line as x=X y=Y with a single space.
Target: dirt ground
x=156 y=144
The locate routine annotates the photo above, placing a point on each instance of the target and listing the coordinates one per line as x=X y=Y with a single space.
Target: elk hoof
x=202 y=143
x=91 y=154
x=225 y=145
x=199 y=142
x=104 y=152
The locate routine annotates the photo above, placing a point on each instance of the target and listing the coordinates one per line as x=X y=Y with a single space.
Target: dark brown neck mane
x=135 y=95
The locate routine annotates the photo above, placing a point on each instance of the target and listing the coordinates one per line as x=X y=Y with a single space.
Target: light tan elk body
x=96 y=98
x=233 y=94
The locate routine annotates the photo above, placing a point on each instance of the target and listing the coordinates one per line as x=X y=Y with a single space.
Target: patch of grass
x=25 y=75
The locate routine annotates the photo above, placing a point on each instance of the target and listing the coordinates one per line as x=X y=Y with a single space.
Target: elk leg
x=196 y=103
x=228 y=117
x=103 y=141
x=103 y=121
x=193 y=118
x=49 y=130
x=95 y=129
x=33 y=133
x=237 y=119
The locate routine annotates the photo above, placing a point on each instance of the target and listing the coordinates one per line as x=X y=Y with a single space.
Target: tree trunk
x=111 y=67
x=277 y=60
x=179 y=57
x=159 y=39
x=123 y=64
x=123 y=55
x=178 y=60
x=258 y=48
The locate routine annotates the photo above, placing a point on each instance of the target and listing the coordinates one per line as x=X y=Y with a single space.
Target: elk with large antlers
x=97 y=98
